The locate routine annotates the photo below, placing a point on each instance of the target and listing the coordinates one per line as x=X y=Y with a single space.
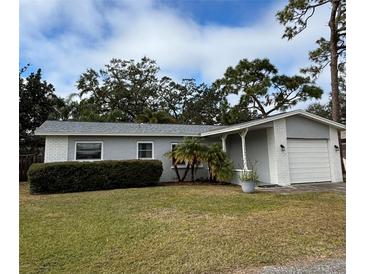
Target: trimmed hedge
x=62 y=177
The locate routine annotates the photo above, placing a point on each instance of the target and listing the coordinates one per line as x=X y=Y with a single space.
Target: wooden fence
x=25 y=161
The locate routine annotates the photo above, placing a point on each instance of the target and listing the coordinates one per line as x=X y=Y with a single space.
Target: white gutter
x=270 y=119
x=115 y=134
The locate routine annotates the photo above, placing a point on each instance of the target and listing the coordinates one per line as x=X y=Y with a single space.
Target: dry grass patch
x=176 y=229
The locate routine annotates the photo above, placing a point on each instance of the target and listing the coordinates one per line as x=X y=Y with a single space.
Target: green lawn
x=176 y=229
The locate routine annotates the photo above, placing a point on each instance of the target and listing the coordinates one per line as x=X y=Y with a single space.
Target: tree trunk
x=186 y=172
x=177 y=172
x=336 y=114
x=333 y=24
x=193 y=170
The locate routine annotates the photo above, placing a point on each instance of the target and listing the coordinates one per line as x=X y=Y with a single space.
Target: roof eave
x=274 y=118
x=116 y=134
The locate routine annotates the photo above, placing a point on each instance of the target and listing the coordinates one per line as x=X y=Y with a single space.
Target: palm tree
x=220 y=167
x=172 y=155
x=190 y=151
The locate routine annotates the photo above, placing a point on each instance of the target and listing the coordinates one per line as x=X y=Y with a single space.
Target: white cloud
x=66 y=37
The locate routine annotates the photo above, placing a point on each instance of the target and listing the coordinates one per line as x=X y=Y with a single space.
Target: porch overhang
x=267 y=122
x=236 y=130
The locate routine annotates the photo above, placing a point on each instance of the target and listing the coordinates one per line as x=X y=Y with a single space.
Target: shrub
x=64 y=177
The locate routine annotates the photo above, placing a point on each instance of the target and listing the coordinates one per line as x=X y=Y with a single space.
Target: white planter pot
x=248 y=186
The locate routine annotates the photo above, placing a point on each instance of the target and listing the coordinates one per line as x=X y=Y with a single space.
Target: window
x=88 y=150
x=145 y=150
x=179 y=164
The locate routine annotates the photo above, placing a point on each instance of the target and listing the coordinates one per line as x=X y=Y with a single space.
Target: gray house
x=291 y=147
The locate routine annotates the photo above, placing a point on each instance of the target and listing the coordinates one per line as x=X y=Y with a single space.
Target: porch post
x=224 y=146
x=243 y=140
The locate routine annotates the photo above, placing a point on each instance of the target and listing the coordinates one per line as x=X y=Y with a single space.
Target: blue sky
x=189 y=39
x=222 y=12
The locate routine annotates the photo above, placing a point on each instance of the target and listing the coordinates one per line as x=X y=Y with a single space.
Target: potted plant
x=248 y=180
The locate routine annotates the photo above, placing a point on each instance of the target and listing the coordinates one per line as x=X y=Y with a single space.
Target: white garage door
x=308 y=161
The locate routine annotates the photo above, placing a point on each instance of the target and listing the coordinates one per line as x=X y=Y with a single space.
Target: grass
x=176 y=229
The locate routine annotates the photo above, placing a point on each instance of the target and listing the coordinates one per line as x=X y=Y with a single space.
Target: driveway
x=313 y=187
x=333 y=266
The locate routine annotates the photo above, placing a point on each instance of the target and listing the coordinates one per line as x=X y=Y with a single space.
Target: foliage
x=158 y=117
x=325 y=110
x=263 y=90
x=37 y=103
x=120 y=91
x=203 y=106
x=295 y=17
x=193 y=153
x=230 y=115
x=249 y=176
x=220 y=167
x=63 y=177
x=190 y=151
x=129 y=91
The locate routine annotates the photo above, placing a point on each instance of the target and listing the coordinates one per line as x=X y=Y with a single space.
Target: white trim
x=115 y=134
x=153 y=150
x=274 y=118
x=90 y=142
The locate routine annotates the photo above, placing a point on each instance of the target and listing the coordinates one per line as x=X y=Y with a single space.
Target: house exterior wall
x=271 y=155
x=334 y=156
x=262 y=145
x=56 y=148
x=125 y=148
x=304 y=128
x=234 y=150
x=300 y=127
x=278 y=159
x=257 y=150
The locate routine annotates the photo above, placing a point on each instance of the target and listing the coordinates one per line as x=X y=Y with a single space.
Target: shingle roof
x=133 y=129
x=120 y=129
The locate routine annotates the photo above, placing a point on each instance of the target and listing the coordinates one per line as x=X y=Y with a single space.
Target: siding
x=334 y=156
x=124 y=148
x=55 y=149
x=256 y=150
x=278 y=159
x=300 y=127
x=234 y=150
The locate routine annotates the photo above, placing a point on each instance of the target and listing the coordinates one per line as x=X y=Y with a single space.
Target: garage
x=309 y=160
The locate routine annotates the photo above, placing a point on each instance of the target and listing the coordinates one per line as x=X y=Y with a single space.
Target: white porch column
x=224 y=146
x=243 y=140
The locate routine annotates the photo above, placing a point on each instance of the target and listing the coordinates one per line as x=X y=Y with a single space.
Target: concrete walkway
x=313 y=187
x=333 y=266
